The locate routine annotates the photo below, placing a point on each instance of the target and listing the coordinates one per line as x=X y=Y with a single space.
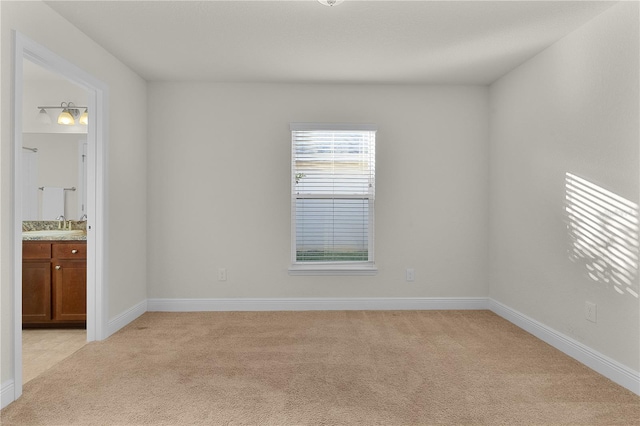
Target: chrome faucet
x=61 y=219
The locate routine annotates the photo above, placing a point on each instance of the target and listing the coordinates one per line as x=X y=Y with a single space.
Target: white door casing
x=25 y=48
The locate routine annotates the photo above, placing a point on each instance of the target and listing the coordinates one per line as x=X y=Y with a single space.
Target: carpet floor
x=321 y=368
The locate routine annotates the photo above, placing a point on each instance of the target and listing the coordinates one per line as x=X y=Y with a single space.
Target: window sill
x=333 y=269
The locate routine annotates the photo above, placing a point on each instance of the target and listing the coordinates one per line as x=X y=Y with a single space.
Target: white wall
x=219 y=188
x=57 y=144
x=572 y=108
x=127 y=149
x=58 y=161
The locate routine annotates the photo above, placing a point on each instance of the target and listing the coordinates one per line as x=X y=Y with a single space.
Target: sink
x=53 y=233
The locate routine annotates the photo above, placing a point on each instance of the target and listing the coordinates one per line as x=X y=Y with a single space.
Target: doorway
x=54 y=158
x=28 y=50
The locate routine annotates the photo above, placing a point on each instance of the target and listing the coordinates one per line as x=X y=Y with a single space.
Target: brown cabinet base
x=55 y=324
x=54 y=284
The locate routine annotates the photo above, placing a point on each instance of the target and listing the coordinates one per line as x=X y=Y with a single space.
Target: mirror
x=53 y=154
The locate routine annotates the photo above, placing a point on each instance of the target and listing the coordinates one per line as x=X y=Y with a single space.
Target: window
x=332 y=198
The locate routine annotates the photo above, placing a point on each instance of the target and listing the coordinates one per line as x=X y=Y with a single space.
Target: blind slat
x=333 y=187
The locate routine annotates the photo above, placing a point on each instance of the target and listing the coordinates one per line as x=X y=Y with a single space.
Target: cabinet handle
x=74 y=251
x=58 y=266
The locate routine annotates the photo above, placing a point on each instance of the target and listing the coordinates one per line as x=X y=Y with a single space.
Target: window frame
x=341 y=268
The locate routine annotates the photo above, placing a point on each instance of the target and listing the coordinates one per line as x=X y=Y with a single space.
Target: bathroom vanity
x=54 y=282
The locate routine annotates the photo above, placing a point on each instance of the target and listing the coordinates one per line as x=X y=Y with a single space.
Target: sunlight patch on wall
x=603 y=228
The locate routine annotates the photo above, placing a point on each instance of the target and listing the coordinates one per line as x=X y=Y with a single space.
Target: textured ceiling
x=406 y=42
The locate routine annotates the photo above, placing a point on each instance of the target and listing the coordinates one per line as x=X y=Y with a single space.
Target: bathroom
x=54 y=200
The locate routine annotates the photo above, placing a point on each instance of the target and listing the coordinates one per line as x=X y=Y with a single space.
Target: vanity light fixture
x=84 y=118
x=330 y=2
x=69 y=115
x=43 y=117
x=66 y=118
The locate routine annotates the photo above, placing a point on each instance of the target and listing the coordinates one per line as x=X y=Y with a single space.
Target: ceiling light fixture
x=330 y=2
x=67 y=117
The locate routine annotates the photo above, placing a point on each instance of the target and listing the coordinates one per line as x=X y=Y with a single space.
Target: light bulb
x=84 y=118
x=66 y=118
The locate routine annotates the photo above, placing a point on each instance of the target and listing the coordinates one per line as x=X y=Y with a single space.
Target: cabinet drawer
x=69 y=251
x=36 y=250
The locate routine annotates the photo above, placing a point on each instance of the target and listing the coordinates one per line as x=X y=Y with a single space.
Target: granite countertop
x=50 y=231
x=54 y=236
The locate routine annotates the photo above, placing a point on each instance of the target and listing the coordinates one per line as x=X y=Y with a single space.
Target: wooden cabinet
x=36 y=291
x=69 y=290
x=54 y=283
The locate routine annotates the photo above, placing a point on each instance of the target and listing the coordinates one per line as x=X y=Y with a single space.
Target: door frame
x=27 y=49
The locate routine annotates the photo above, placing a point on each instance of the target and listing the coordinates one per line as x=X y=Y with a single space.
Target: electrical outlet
x=411 y=274
x=590 y=311
x=222 y=274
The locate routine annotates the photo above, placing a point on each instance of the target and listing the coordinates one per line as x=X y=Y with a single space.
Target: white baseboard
x=126 y=317
x=316 y=304
x=604 y=365
x=7 y=393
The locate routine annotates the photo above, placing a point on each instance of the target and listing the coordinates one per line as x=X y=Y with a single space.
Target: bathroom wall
x=58 y=151
x=58 y=165
x=127 y=165
x=219 y=188
x=571 y=109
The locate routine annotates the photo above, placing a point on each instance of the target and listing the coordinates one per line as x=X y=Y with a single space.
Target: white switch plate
x=590 y=312
x=411 y=274
x=222 y=274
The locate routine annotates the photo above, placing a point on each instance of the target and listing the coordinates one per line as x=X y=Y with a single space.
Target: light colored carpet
x=321 y=368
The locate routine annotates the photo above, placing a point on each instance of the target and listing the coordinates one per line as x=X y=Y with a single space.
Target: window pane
x=334 y=162
x=332 y=230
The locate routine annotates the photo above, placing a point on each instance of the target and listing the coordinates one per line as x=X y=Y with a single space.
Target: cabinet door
x=69 y=290
x=36 y=291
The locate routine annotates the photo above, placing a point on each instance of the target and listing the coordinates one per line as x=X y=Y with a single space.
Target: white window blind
x=333 y=193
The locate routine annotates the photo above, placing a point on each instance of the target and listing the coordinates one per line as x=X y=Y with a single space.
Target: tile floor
x=43 y=348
